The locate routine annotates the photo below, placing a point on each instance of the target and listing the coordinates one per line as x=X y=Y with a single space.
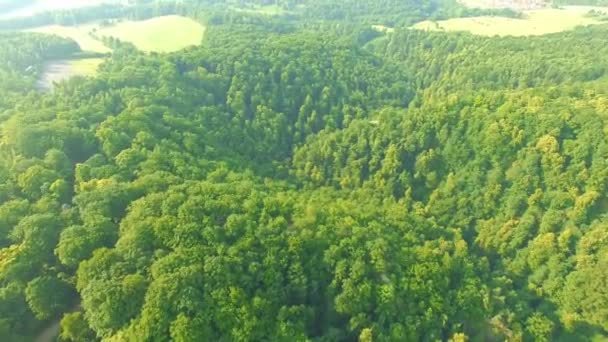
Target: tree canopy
x=302 y=178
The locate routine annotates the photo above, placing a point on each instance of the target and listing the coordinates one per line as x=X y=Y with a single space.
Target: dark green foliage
x=22 y=57
x=48 y=296
x=305 y=178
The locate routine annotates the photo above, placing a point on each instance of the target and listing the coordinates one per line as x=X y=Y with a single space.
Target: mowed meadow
x=160 y=34
x=81 y=34
x=533 y=22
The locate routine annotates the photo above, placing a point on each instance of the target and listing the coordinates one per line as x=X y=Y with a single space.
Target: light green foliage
x=75 y=329
x=306 y=178
x=190 y=266
x=534 y=22
x=48 y=296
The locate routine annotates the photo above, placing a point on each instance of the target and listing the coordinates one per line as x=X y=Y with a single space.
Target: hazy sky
x=49 y=5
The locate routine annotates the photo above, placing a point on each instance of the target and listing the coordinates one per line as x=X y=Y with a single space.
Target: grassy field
x=161 y=34
x=382 y=28
x=266 y=10
x=535 y=22
x=86 y=66
x=81 y=34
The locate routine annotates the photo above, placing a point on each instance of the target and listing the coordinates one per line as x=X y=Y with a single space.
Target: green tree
x=48 y=296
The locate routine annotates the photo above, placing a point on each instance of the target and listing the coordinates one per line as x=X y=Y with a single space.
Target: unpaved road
x=49 y=334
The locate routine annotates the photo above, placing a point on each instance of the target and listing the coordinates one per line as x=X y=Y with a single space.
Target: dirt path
x=54 y=71
x=50 y=333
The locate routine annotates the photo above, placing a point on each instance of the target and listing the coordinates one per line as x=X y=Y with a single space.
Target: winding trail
x=50 y=333
x=52 y=330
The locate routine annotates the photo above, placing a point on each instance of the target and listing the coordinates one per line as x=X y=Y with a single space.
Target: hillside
x=301 y=175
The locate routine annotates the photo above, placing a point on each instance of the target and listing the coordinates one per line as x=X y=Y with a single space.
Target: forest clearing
x=534 y=22
x=82 y=34
x=270 y=10
x=61 y=70
x=160 y=34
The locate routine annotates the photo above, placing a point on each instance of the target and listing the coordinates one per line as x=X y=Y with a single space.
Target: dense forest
x=582 y=2
x=347 y=12
x=307 y=178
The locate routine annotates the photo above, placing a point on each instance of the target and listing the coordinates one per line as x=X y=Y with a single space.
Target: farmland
x=534 y=22
x=160 y=34
x=270 y=10
x=81 y=34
